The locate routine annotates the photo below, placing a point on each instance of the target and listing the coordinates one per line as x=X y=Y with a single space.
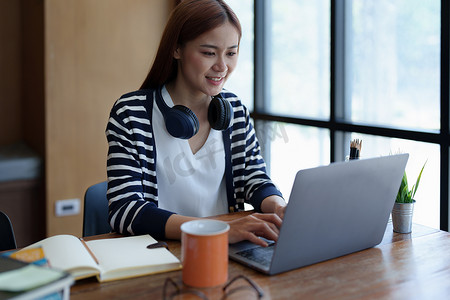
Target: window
x=242 y=80
x=326 y=71
x=394 y=56
x=298 y=46
x=392 y=71
x=426 y=209
x=299 y=41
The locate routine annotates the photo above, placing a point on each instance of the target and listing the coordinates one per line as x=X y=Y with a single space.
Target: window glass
x=287 y=148
x=394 y=54
x=427 y=207
x=241 y=81
x=300 y=58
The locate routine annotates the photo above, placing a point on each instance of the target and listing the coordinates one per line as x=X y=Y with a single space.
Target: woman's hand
x=274 y=204
x=254 y=226
x=251 y=227
x=266 y=225
x=279 y=210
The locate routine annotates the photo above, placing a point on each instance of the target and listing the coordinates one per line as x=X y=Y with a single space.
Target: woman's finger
x=254 y=226
x=271 y=218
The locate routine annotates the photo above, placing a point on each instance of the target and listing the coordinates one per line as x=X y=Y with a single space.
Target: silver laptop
x=332 y=211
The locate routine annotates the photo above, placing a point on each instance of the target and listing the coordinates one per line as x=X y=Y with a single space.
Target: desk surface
x=402 y=266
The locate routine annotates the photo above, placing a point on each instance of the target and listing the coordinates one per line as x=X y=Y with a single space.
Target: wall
x=10 y=72
x=22 y=113
x=62 y=66
x=32 y=78
x=95 y=51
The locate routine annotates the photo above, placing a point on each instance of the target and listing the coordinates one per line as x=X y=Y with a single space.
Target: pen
x=89 y=250
x=158 y=245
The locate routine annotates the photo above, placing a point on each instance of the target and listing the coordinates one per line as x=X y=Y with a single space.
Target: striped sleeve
x=251 y=182
x=132 y=191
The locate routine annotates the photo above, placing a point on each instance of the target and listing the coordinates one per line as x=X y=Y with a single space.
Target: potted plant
x=402 y=211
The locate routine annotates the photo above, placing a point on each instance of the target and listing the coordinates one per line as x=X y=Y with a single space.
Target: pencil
x=89 y=250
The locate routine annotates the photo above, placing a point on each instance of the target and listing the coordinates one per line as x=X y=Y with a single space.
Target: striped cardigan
x=131 y=165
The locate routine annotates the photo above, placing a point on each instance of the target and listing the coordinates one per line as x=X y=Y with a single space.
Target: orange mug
x=204 y=253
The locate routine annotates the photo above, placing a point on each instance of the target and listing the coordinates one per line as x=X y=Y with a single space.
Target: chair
x=7 y=239
x=95 y=216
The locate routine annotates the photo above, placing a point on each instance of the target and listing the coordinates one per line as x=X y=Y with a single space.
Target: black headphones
x=182 y=123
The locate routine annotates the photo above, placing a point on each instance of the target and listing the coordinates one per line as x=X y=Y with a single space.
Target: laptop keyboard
x=261 y=255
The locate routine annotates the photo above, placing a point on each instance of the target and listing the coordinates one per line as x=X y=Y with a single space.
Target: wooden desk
x=403 y=266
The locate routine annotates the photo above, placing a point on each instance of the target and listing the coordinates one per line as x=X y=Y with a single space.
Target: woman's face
x=205 y=63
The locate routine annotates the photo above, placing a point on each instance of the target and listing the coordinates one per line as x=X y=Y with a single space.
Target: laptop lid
x=335 y=210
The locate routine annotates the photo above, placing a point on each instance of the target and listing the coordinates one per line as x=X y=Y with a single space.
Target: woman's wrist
x=173 y=226
x=272 y=204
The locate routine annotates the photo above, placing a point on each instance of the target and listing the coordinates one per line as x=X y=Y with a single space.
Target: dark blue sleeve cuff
x=151 y=220
x=262 y=193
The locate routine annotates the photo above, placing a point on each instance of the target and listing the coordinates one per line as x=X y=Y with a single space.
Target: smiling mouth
x=217 y=79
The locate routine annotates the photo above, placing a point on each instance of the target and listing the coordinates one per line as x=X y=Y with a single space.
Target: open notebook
x=118 y=258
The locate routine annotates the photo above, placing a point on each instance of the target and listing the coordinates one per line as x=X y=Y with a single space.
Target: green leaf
x=408 y=197
x=405 y=195
x=416 y=185
x=403 y=189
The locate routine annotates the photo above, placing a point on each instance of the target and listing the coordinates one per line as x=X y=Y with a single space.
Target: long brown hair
x=188 y=20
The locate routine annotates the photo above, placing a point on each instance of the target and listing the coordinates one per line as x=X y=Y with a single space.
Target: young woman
x=182 y=147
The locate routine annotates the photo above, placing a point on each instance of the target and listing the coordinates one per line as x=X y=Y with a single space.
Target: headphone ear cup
x=219 y=113
x=181 y=122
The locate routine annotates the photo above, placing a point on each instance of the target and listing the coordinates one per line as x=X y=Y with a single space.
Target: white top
x=189 y=184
